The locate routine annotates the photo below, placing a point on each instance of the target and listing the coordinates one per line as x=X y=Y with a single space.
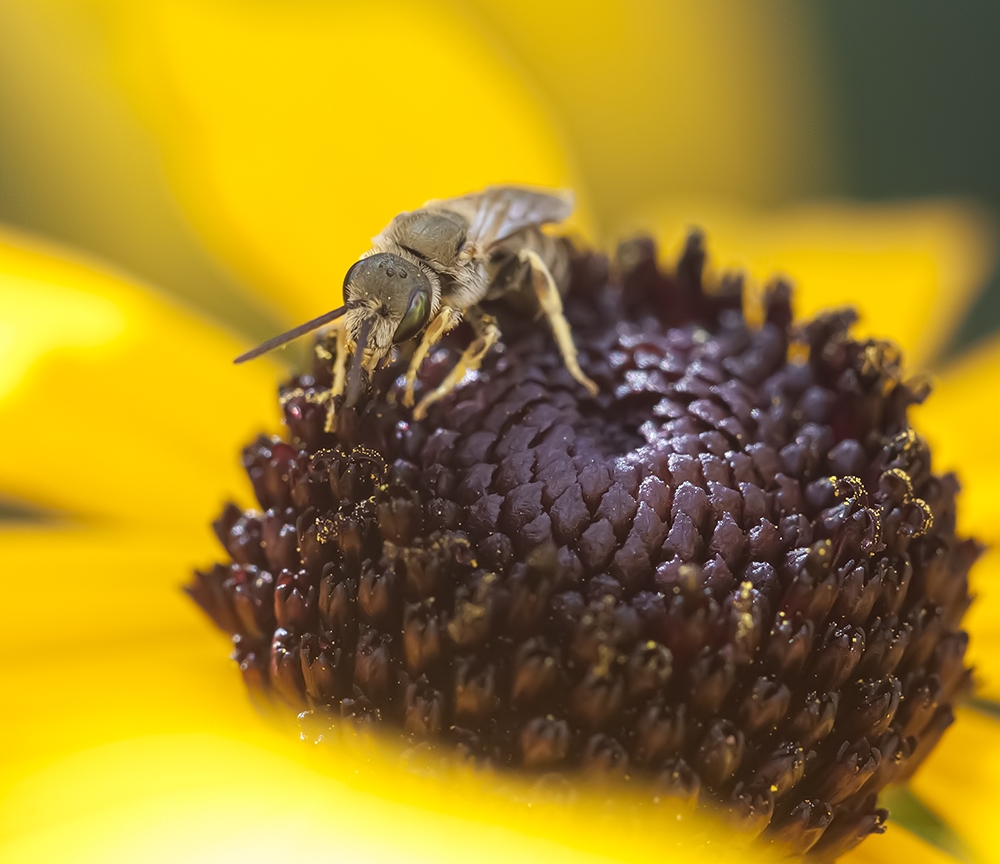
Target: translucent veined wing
x=498 y=212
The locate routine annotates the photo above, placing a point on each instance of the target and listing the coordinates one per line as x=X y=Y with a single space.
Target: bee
x=432 y=267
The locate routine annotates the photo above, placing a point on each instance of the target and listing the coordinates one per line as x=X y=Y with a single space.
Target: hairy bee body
x=433 y=266
x=510 y=277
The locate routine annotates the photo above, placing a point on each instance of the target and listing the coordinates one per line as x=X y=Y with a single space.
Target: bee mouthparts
x=354 y=377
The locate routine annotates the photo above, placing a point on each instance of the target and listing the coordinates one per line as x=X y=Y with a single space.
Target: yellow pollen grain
x=744 y=620
x=606 y=655
x=904 y=477
x=285 y=398
x=325 y=529
x=798 y=352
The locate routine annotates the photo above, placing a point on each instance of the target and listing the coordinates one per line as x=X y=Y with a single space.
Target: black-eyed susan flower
x=127 y=732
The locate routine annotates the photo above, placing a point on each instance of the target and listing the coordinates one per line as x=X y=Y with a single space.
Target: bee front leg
x=551 y=303
x=487 y=335
x=447 y=319
x=339 y=377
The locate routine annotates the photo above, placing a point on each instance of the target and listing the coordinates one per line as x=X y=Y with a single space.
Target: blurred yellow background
x=215 y=148
x=240 y=154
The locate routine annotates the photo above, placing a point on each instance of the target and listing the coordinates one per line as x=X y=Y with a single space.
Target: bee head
x=390 y=292
x=388 y=301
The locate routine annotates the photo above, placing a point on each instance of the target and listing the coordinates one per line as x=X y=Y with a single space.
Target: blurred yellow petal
x=106 y=648
x=961 y=421
x=79 y=166
x=42 y=317
x=199 y=798
x=205 y=798
x=961 y=782
x=117 y=402
x=910 y=269
x=116 y=584
x=666 y=97
x=126 y=742
x=897 y=844
x=983 y=624
x=654 y=98
x=296 y=131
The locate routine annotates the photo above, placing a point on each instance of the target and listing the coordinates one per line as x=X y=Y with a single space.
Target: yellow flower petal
x=118 y=402
x=295 y=132
x=131 y=742
x=41 y=317
x=105 y=645
x=665 y=97
x=961 y=782
x=106 y=582
x=897 y=844
x=198 y=798
x=961 y=421
x=983 y=625
x=910 y=269
x=80 y=166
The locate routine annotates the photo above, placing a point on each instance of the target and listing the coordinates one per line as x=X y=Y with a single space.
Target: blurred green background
x=916 y=90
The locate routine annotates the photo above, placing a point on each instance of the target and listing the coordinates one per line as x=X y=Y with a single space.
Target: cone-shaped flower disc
x=732 y=578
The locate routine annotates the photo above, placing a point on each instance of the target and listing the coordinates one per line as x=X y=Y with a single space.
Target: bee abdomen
x=509 y=274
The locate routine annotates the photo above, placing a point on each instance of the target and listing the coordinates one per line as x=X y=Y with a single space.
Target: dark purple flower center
x=732 y=575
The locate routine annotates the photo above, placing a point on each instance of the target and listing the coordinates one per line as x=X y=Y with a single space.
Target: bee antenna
x=294 y=333
x=354 y=376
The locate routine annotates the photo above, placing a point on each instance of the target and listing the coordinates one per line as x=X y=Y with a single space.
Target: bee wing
x=498 y=212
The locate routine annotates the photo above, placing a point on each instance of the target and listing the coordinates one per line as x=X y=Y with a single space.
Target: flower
x=684 y=581
x=123 y=719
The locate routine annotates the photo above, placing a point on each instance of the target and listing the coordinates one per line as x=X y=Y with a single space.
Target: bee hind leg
x=551 y=303
x=487 y=335
x=446 y=319
x=339 y=378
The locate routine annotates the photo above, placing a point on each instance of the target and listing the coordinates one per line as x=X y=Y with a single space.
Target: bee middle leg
x=551 y=303
x=447 y=319
x=339 y=378
x=487 y=335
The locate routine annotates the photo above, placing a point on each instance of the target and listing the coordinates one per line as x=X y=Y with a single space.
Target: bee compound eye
x=352 y=272
x=418 y=310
